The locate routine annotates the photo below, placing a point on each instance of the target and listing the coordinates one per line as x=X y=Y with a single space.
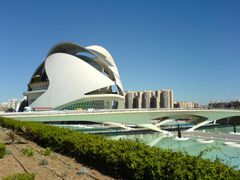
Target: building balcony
x=39 y=85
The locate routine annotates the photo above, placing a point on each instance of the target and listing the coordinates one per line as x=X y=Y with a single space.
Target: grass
x=46 y=152
x=20 y=176
x=2 y=150
x=29 y=152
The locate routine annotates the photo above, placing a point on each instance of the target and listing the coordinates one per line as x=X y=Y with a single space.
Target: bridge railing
x=90 y=111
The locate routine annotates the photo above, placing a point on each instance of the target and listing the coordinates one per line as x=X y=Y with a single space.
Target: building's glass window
x=98 y=104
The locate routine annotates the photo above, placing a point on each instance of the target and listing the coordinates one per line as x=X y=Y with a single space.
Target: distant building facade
x=149 y=99
x=13 y=103
x=185 y=105
x=3 y=106
x=234 y=104
x=10 y=104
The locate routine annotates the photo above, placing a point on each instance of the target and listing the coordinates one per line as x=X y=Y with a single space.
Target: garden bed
x=123 y=158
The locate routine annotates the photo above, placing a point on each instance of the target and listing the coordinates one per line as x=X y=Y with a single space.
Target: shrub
x=46 y=152
x=1 y=121
x=82 y=171
x=20 y=176
x=43 y=162
x=29 y=152
x=124 y=158
x=2 y=150
x=8 y=150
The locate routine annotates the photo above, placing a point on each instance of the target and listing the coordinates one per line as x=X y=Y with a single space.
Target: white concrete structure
x=75 y=77
x=128 y=117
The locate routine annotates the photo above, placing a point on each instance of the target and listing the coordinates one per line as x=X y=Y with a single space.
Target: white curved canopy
x=71 y=75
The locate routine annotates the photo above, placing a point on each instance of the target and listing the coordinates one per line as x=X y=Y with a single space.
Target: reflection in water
x=217 y=150
x=220 y=129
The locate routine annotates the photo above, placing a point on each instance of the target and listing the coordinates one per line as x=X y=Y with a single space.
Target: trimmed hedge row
x=2 y=150
x=123 y=158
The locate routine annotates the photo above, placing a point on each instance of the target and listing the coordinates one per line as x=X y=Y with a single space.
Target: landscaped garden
x=123 y=158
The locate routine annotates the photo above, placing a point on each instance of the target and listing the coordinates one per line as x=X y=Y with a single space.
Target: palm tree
x=26 y=132
x=12 y=136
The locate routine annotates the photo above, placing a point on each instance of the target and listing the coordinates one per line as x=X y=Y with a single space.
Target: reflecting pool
x=222 y=129
x=217 y=150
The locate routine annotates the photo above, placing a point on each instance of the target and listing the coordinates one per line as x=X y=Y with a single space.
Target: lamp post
x=179 y=131
x=234 y=127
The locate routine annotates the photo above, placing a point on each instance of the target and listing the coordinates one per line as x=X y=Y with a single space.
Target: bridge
x=147 y=118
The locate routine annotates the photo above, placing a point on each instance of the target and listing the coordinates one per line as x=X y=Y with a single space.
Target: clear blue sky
x=190 y=46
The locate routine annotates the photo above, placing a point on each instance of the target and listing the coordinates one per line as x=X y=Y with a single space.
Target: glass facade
x=98 y=104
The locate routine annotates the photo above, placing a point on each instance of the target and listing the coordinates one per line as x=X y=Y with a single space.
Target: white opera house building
x=74 y=77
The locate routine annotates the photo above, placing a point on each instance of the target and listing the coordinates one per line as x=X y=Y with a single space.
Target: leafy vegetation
x=43 y=162
x=2 y=150
x=12 y=136
x=46 y=152
x=29 y=152
x=20 y=176
x=124 y=158
x=83 y=171
x=8 y=150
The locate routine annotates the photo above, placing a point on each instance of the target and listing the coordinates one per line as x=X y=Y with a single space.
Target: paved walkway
x=210 y=135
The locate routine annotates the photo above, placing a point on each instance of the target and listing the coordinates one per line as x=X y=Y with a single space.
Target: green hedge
x=2 y=150
x=124 y=158
x=20 y=176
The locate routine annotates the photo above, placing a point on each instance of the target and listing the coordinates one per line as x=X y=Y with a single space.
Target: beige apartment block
x=185 y=105
x=149 y=99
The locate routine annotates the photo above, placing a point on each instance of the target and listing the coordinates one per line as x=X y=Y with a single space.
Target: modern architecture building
x=149 y=99
x=75 y=77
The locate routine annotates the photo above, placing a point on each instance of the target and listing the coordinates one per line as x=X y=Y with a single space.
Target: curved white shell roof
x=71 y=77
